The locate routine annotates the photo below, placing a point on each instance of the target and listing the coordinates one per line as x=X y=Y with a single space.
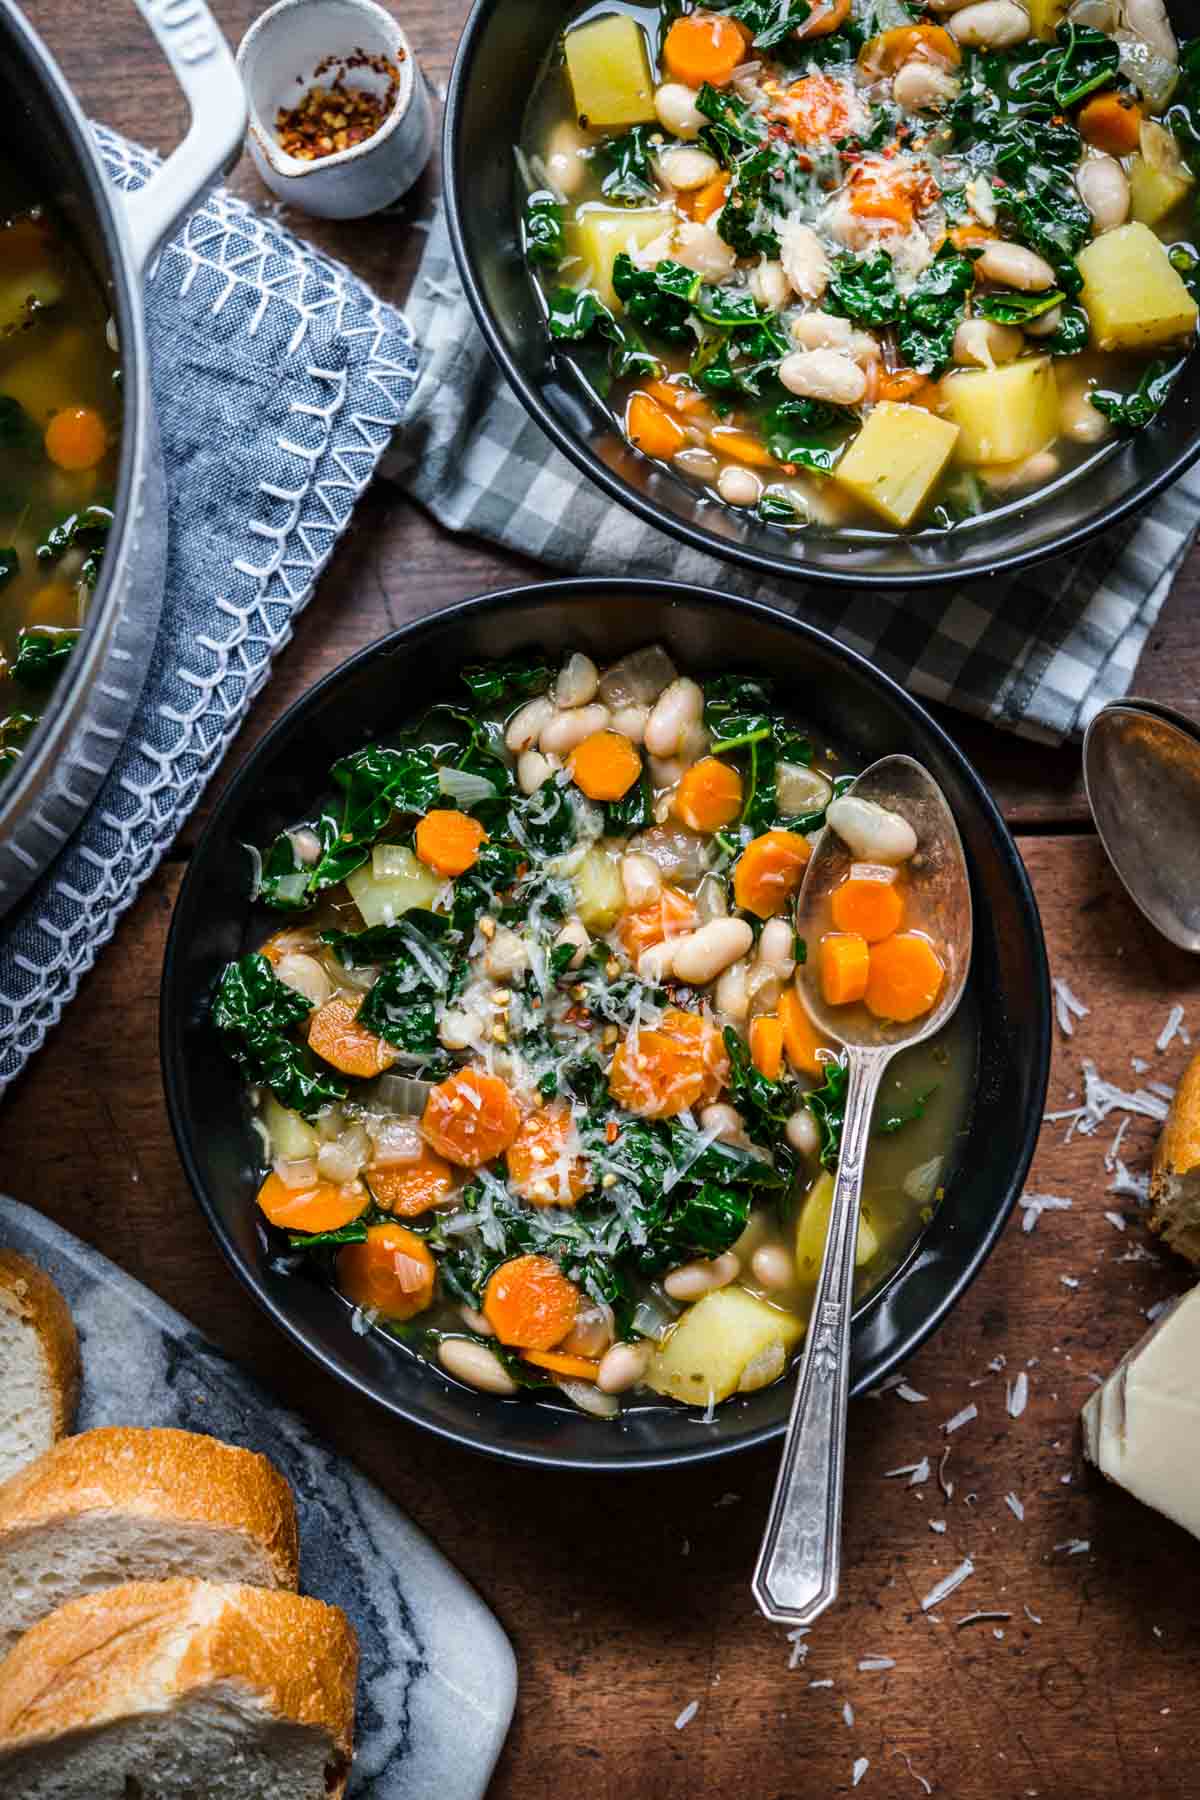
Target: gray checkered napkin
x=1038 y=653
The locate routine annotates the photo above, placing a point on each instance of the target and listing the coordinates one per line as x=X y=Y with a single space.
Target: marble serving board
x=438 y=1678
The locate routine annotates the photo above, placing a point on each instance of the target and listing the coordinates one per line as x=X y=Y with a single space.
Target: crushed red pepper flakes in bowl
x=338 y=117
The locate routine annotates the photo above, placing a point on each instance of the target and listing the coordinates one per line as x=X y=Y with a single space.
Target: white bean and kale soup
x=534 y=1082
x=59 y=437
x=852 y=263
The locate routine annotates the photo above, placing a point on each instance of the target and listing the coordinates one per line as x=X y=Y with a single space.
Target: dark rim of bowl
x=789 y=569
x=173 y=1004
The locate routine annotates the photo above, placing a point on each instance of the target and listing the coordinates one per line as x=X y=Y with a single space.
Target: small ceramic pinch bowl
x=299 y=44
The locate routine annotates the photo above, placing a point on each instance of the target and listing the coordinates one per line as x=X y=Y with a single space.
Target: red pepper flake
x=611 y=1131
x=328 y=119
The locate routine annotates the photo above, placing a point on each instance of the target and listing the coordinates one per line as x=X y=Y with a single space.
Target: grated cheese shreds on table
x=911 y=1395
x=1034 y=1205
x=848 y=1714
x=799 y=1652
x=861 y=1765
x=1015 y=1507
x=908 y=1765
x=1035 y=1617
x=917 y=1472
x=1116 y=1220
x=976 y=1618
x=1018 y=1395
x=948 y=1584
x=1068 y=1281
x=961 y=1418
x=938 y=1525
x=1067 y=1006
x=1074 y=1546
x=947 y=1487
x=687 y=1715
x=1171 y=1030
x=876 y=1665
x=1100 y=1098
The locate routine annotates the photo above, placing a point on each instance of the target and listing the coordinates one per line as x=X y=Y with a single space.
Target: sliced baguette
x=1175 y=1173
x=39 y=1363
x=125 y=1504
x=180 y=1690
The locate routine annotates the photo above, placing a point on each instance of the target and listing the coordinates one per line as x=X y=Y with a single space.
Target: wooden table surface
x=627 y=1598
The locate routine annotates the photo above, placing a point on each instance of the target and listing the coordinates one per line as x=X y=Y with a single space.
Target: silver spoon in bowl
x=796 y=1576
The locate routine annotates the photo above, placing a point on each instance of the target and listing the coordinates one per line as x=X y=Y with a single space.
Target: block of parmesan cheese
x=1142 y=1428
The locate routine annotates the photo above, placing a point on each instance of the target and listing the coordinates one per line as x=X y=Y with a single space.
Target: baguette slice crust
x=125 y=1503
x=39 y=1363
x=116 y=1692
x=1175 y=1173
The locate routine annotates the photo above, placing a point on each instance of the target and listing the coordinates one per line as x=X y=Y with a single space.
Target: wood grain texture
x=629 y=1599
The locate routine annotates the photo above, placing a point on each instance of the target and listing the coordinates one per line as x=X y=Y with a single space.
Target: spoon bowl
x=1141 y=772
x=797 y=1573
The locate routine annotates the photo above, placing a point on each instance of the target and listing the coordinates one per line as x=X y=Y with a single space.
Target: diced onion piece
x=297 y=1174
x=638 y=679
x=396 y=1141
x=921 y=1184
x=588 y=1398
x=342 y=1160
x=682 y=854
x=655 y=1315
x=402 y=1094
x=464 y=787
x=799 y=789
x=291 y=889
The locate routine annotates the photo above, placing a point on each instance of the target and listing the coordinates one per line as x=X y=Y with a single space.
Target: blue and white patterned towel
x=280 y=379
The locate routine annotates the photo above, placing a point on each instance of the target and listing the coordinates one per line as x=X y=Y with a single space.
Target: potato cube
x=1159 y=179
x=600 y=896
x=1004 y=415
x=292 y=1138
x=610 y=73
x=730 y=1341
x=1134 y=298
x=812 y=1228
x=1046 y=16
x=394 y=882
x=896 y=460
x=598 y=234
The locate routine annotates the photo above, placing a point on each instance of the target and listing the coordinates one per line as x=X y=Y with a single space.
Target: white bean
x=566 y=729
x=575 y=932
x=991 y=25
x=506 y=955
x=692 y=1280
x=1082 y=422
x=475 y=1321
x=870 y=832
x=947 y=6
x=801 y=1132
x=700 y=464
x=475 y=1364
x=677 y=111
x=577 y=682
x=1012 y=265
x=592 y=1332
x=920 y=85
x=1045 y=325
x=983 y=344
x=641 y=878
x=1035 y=471
x=821 y=331
x=799 y=789
x=630 y=721
x=804 y=260
x=687 y=169
x=769 y=285
x=738 y=487
x=565 y=163
x=725 y=1120
x=533 y=769
x=823 y=375
x=680 y=704
x=459 y=1027
x=587 y=1397
x=775 y=948
x=657 y=963
x=526 y=725
x=698 y=247
x=1148 y=20
x=1104 y=189
x=305 y=975
x=700 y=957
x=622 y=1367
x=772 y=1267
x=732 y=996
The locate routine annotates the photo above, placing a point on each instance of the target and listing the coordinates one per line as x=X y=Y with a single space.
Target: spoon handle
x=796 y=1577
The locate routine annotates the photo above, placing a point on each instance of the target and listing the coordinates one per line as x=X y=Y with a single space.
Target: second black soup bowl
x=377 y=691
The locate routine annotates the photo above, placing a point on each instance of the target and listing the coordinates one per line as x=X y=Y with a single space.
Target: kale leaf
x=766 y=1106
x=545 y=238
x=416 y=980
x=1073 y=334
x=631 y=173
x=900 y=1116
x=17 y=429
x=634 y=811
x=254 y=1011
x=1131 y=412
x=738 y=712
x=1012 y=308
x=41 y=655
x=863 y=288
x=574 y=317
x=828 y=1106
x=810 y=432
x=732 y=126
x=1083 y=62
x=493 y=873
x=86 y=530
x=283 y=879
x=1183 y=114
x=376 y=783
x=660 y=299
x=933 y=310
x=770 y=21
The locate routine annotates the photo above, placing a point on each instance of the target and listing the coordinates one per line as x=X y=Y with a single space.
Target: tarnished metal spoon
x=1141 y=770
x=796 y=1577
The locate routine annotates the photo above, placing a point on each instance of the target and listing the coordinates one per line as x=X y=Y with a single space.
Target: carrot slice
x=392 y=1272
x=816 y=108
x=801 y=1039
x=582 y=1368
x=766 y=1045
x=907 y=386
x=844 y=967
x=605 y=766
x=742 y=446
x=335 y=1035
x=769 y=871
x=318 y=1206
x=826 y=16
x=1112 y=123
x=881 y=191
x=872 y=908
x=530 y=1304
x=905 y=978
x=704 y=47
x=544 y=1165
x=675 y=395
x=644 y=926
x=76 y=438
x=448 y=842
x=709 y=795
x=409 y=1189
x=679 y=1064
x=710 y=198
x=470 y=1117
x=651 y=429
x=884 y=54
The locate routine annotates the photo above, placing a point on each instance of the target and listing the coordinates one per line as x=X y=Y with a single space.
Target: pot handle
x=203 y=64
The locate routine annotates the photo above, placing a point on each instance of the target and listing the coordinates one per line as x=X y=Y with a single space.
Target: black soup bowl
x=380 y=689
x=501 y=53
